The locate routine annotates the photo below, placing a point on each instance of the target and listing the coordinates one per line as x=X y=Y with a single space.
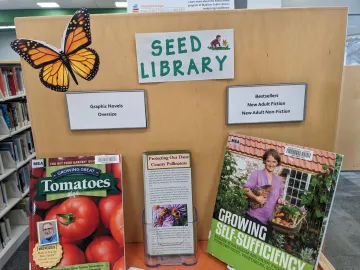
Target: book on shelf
x=8 y=227
x=24 y=176
x=5 y=115
x=11 y=82
x=15 y=114
x=29 y=141
x=9 y=147
x=273 y=204
x=5 y=85
x=20 y=80
x=2 y=165
x=18 y=181
x=3 y=199
x=4 y=236
x=4 y=193
x=2 y=85
x=20 y=146
x=13 y=218
x=13 y=186
x=23 y=205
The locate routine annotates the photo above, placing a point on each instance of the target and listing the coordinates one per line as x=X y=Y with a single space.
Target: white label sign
x=37 y=163
x=136 y=6
x=266 y=103
x=296 y=152
x=107 y=110
x=185 y=56
x=107 y=159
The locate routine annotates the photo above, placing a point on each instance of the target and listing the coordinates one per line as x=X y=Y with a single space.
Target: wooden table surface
x=135 y=258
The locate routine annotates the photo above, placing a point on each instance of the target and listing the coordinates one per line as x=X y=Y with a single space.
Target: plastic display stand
x=181 y=259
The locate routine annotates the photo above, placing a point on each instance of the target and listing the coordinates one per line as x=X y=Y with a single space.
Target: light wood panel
x=348 y=139
x=271 y=46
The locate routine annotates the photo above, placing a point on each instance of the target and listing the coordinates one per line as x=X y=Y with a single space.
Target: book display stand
x=163 y=240
x=271 y=46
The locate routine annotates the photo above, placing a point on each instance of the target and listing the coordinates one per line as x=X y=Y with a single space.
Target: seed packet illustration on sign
x=76 y=208
x=273 y=204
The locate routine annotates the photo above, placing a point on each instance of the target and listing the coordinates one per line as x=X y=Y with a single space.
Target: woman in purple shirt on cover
x=271 y=159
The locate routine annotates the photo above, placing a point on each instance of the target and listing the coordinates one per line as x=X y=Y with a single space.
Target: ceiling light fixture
x=121 y=4
x=48 y=4
x=7 y=27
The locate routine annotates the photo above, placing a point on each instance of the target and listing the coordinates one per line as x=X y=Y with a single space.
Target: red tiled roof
x=256 y=147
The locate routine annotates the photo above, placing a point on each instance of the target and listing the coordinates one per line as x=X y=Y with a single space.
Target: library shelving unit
x=19 y=221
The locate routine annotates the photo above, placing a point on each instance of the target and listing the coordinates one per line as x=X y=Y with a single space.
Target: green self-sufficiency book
x=273 y=204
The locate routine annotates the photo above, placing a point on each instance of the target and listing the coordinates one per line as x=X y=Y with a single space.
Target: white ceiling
x=31 y=4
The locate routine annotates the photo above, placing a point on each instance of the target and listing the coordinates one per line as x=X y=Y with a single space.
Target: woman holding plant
x=260 y=178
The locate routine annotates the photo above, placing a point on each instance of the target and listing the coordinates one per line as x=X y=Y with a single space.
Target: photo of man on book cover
x=273 y=204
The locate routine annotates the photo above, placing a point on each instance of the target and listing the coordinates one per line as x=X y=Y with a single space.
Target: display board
x=271 y=46
x=347 y=139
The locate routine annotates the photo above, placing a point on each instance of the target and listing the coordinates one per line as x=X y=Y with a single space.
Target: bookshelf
x=20 y=232
x=22 y=95
x=11 y=130
x=12 y=202
x=9 y=62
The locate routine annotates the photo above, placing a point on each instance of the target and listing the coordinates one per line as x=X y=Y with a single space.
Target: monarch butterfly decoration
x=74 y=56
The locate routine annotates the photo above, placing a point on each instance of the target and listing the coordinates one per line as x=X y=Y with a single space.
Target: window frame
x=308 y=180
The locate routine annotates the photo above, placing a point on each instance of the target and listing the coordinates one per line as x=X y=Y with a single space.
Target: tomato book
x=76 y=219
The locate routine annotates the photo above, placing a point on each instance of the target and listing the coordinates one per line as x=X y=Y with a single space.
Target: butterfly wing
x=85 y=63
x=77 y=34
x=36 y=53
x=55 y=76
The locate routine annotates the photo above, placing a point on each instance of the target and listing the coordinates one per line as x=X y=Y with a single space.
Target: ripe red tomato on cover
x=37 y=172
x=116 y=170
x=100 y=231
x=71 y=255
x=104 y=249
x=78 y=217
x=107 y=206
x=51 y=215
x=34 y=218
x=117 y=224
